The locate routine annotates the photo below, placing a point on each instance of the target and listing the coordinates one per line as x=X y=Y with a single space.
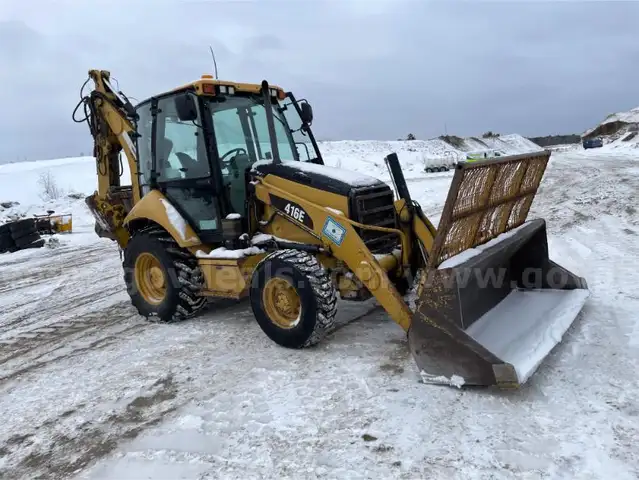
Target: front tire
x=293 y=299
x=162 y=279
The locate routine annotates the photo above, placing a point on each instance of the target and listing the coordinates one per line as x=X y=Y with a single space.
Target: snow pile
x=23 y=195
x=519 y=144
x=626 y=135
x=368 y=155
x=569 y=147
x=511 y=144
x=415 y=155
x=625 y=138
x=631 y=116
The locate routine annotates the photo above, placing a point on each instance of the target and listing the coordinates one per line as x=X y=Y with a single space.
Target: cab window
x=180 y=149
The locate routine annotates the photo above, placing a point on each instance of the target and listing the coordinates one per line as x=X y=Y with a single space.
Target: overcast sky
x=373 y=69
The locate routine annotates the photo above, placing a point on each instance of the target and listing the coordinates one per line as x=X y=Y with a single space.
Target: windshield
x=302 y=140
x=241 y=127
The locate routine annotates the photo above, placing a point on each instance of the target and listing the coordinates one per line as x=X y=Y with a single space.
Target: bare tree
x=49 y=187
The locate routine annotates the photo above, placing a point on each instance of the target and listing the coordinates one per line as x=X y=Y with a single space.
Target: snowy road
x=89 y=391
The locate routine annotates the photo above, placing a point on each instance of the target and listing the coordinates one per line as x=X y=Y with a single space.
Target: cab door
x=182 y=169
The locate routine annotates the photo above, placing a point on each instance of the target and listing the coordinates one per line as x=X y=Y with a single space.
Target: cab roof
x=197 y=85
x=206 y=85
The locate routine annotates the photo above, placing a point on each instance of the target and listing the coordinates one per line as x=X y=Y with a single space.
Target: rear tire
x=315 y=304
x=162 y=279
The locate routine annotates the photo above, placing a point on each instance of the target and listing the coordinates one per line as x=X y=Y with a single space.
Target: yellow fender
x=157 y=208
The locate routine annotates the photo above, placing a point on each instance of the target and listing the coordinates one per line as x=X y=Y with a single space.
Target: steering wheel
x=231 y=163
x=238 y=150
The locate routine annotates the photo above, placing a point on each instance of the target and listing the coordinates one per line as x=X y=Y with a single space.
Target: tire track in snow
x=55 y=288
x=59 y=298
x=64 y=307
x=51 y=335
x=67 y=342
x=589 y=187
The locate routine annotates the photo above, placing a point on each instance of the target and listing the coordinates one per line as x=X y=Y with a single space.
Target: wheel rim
x=282 y=303
x=150 y=278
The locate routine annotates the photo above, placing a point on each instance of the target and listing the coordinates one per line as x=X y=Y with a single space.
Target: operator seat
x=194 y=169
x=166 y=170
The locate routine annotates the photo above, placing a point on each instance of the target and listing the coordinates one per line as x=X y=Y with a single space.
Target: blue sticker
x=334 y=231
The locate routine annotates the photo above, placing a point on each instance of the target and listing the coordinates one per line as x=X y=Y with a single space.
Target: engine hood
x=323 y=177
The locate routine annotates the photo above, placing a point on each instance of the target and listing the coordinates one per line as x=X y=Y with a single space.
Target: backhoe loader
x=226 y=202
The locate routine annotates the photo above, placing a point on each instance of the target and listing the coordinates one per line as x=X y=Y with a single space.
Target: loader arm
x=111 y=118
x=338 y=235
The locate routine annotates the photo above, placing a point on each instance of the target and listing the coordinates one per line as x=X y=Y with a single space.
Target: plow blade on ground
x=491 y=304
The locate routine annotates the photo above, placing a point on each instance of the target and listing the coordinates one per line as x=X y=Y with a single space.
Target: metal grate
x=485 y=200
x=375 y=206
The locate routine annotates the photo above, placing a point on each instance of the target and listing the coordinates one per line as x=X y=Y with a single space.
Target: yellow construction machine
x=230 y=198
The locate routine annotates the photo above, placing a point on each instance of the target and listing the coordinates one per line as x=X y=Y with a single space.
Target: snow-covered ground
x=88 y=390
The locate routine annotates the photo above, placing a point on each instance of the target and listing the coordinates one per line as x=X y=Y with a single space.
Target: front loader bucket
x=491 y=303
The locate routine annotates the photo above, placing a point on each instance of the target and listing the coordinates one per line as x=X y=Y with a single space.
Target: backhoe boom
x=111 y=117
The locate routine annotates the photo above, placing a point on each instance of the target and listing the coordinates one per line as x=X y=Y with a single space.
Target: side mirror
x=186 y=107
x=307 y=113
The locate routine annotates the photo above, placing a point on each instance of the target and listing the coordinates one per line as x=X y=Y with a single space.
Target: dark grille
x=374 y=206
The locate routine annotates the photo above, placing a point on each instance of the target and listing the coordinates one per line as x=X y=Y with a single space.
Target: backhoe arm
x=111 y=117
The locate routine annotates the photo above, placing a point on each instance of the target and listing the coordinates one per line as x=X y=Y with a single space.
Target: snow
x=469 y=253
x=453 y=381
x=526 y=325
x=88 y=390
x=350 y=177
x=631 y=116
x=176 y=220
x=263 y=237
x=335 y=211
x=415 y=155
x=518 y=144
x=224 y=253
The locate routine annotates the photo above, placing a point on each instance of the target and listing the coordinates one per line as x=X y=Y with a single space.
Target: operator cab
x=196 y=146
